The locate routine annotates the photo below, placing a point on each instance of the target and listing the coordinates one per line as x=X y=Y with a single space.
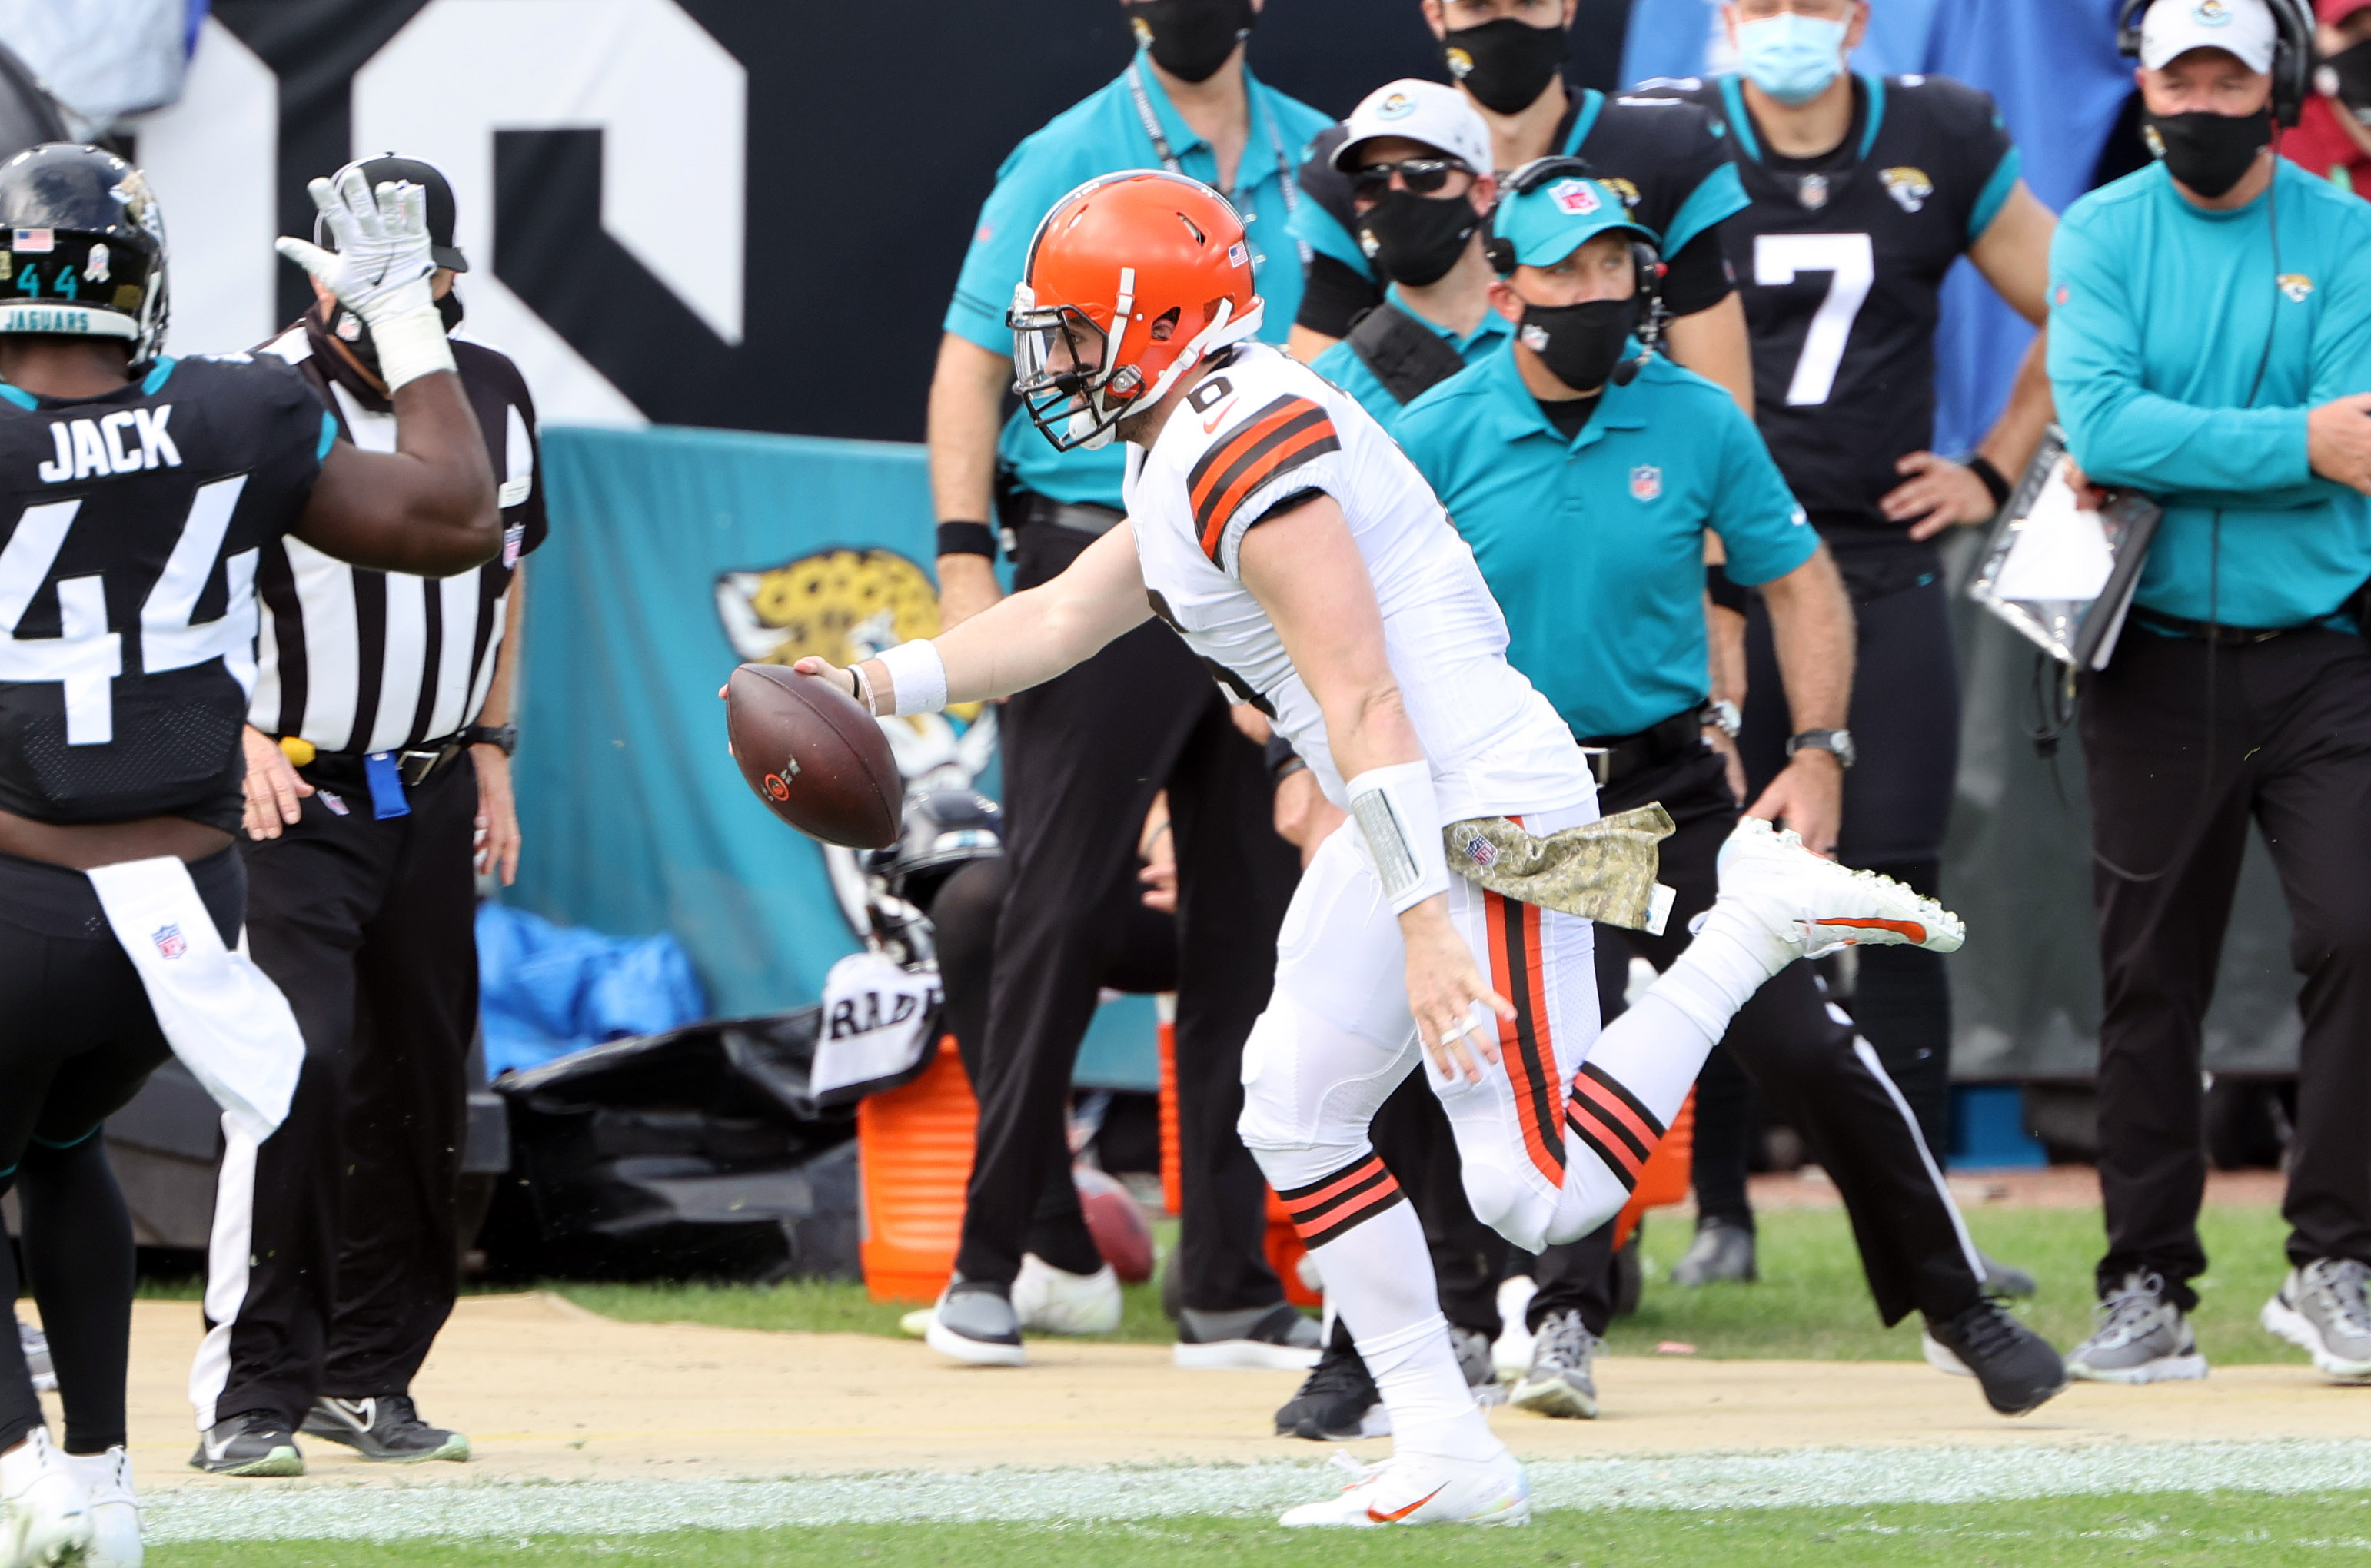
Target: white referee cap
x=2243 y=27
x=1420 y=111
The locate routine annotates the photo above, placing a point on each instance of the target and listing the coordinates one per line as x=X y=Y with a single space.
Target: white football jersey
x=1263 y=428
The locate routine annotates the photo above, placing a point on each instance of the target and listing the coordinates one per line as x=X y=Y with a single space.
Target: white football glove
x=380 y=269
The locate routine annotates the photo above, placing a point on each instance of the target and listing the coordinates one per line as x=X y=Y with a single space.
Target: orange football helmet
x=1132 y=280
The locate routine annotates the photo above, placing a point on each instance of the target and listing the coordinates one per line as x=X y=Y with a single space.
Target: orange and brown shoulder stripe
x=1276 y=440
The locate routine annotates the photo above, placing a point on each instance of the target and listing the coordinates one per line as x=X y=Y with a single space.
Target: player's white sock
x=1432 y=1407
x=1379 y=1275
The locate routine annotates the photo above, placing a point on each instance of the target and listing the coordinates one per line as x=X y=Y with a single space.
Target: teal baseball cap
x=1551 y=208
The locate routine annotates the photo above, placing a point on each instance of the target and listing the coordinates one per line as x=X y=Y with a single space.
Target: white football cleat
x=1055 y=1302
x=1816 y=906
x=44 y=1517
x=114 y=1511
x=1423 y=1489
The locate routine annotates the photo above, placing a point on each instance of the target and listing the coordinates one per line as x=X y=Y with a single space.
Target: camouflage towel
x=1603 y=870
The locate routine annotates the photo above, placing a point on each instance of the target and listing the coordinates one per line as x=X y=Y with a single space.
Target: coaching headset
x=2292 y=50
x=1645 y=261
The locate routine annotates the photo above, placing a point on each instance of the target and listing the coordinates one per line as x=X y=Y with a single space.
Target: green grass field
x=1811 y=1302
x=2224 y=1530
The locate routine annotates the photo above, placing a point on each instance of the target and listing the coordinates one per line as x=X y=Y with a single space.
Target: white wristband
x=410 y=345
x=1395 y=809
x=917 y=677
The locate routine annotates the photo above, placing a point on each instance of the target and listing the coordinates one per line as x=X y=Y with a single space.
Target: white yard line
x=1810 y=1478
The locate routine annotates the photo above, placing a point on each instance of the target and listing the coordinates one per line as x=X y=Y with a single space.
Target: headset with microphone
x=1646 y=260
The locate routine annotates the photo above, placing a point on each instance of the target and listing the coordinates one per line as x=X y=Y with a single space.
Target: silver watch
x=1838 y=743
x=1721 y=714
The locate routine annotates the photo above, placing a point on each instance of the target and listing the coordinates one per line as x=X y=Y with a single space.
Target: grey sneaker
x=36 y=1346
x=2323 y=1309
x=1473 y=1359
x=253 y=1442
x=2142 y=1338
x=1722 y=1252
x=2006 y=1279
x=387 y=1428
x=976 y=1324
x=1560 y=1382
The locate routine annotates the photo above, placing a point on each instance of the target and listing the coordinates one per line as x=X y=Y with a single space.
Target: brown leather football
x=816 y=759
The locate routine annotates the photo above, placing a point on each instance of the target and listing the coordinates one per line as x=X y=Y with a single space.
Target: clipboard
x=2063 y=575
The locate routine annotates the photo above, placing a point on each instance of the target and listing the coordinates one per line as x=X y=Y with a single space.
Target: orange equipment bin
x=914 y=1155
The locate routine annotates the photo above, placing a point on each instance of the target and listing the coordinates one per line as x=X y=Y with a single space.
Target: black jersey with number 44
x=130 y=528
x=1841 y=261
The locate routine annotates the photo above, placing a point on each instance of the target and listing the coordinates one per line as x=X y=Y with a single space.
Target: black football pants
x=79 y=1043
x=2289 y=743
x=1804 y=1061
x=1083 y=756
x=347 y=1231
x=1904 y=721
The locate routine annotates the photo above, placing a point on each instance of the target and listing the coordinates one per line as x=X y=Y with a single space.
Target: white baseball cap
x=2243 y=27
x=1423 y=111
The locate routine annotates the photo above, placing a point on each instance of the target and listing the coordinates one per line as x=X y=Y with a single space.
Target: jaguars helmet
x=944 y=829
x=84 y=248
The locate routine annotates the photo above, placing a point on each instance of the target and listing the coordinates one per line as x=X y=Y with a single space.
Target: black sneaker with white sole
x=385 y=1428
x=253 y=1442
x=2017 y=1368
x=1339 y=1401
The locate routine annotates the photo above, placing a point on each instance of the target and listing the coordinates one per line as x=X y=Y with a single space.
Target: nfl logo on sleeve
x=1646 y=482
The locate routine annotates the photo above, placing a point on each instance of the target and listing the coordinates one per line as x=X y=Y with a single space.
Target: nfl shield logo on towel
x=1480 y=851
x=170 y=942
x=1646 y=482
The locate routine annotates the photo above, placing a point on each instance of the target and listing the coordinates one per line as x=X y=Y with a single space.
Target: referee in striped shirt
x=378 y=784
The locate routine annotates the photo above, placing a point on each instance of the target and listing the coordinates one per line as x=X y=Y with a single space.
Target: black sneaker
x=1281 y=1338
x=2017 y=1368
x=387 y=1428
x=253 y=1442
x=1338 y=1403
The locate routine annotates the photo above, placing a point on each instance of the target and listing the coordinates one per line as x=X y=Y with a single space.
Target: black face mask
x=355 y=333
x=1506 y=64
x=2350 y=77
x=2208 y=153
x=1580 y=344
x=1417 y=239
x=1191 y=39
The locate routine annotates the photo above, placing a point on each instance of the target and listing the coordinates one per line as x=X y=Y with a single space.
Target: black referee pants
x=1801 y=1057
x=2174 y=782
x=1083 y=756
x=345 y=1234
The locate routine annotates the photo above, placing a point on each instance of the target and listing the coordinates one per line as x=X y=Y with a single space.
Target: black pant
x=1802 y=1061
x=2287 y=740
x=1143 y=958
x=367 y=927
x=79 y=1041
x=1083 y=756
x=1905 y=720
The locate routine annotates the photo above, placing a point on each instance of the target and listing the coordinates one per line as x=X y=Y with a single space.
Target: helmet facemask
x=1069 y=374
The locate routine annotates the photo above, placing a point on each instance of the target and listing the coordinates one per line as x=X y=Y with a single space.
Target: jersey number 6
x=86 y=656
x=1851 y=266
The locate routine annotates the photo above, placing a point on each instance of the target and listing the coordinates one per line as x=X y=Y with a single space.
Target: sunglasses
x=1426 y=176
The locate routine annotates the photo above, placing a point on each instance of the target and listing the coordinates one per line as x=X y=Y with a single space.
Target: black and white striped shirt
x=353 y=660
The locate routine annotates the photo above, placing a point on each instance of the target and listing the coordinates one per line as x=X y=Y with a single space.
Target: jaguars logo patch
x=1622 y=187
x=1908 y=186
x=2296 y=285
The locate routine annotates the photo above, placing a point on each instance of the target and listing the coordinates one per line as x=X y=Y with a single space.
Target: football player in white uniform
x=1279 y=531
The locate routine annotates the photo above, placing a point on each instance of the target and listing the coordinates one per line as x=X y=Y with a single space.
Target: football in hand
x=816 y=759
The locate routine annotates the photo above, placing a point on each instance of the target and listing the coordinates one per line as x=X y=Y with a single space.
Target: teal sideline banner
x=675 y=554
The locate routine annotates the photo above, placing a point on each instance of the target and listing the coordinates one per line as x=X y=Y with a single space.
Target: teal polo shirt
x=1341 y=364
x=1103 y=135
x=1594 y=546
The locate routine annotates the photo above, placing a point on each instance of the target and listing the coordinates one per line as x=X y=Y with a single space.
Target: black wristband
x=1280 y=757
x=1726 y=594
x=967 y=538
x=1982 y=467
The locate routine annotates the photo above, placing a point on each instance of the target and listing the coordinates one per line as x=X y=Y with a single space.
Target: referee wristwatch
x=1836 y=743
x=501 y=737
